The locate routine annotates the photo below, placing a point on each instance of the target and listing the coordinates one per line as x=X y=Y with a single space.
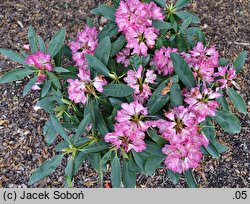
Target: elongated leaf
x=29 y=85
x=208 y=130
x=81 y=128
x=69 y=173
x=139 y=160
x=50 y=132
x=118 y=45
x=155 y=137
x=186 y=23
x=107 y=11
x=240 y=61
x=183 y=71
x=32 y=39
x=181 y=4
x=79 y=158
x=15 y=75
x=173 y=176
x=154 y=149
x=152 y=164
x=117 y=90
x=227 y=121
x=59 y=128
x=161 y=25
x=237 y=100
x=175 y=95
x=57 y=42
x=95 y=147
x=41 y=44
x=213 y=151
x=105 y=158
x=100 y=123
x=223 y=102
x=45 y=169
x=157 y=100
x=223 y=62
x=184 y=15
x=221 y=148
x=110 y=30
x=96 y=64
x=54 y=80
x=61 y=70
x=116 y=103
x=46 y=88
x=116 y=172
x=190 y=179
x=128 y=175
x=13 y=56
x=103 y=50
x=161 y=3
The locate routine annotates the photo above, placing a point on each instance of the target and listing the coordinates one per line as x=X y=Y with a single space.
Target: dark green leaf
x=118 y=45
x=240 y=61
x=152 y=164
x=223 y=62
x=32 y=39
x=208 y=130
x=69 y=173
x=173 y=176
x=186 y=23
x=155 y=137
x=128 y=175
x=139 y=159
x=190 y=179
x=184 y=15
x=161 y=25
x=103 y=50
x=81 y=128
x=95 y=147
x=107 y=11
x=116 y=172
x=13 y=56
x=54 y=80
x=212 y=151
x=161 y=3
x=237 y=100
x=117 y=90
x=29 y=85
x=154 y=149
x=110 y=30
x=183 y=71
x=61 y=70
x=227 y=121
x=57 y=42
x=46 y=88
x=181 y=4
x=96 y=64
x=176 y=97
x=45 y=169
x=41 y=44
x=223 y=102
x=105 y=158
x=116 y=103
x=15 y=75
x=221 y=148
x=90 y=22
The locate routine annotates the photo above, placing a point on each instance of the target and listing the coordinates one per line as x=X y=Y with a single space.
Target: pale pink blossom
x=225 y=76
x=123 y=57
x=39 y=60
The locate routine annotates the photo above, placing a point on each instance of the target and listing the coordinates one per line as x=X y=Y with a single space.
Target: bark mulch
x=22 y=146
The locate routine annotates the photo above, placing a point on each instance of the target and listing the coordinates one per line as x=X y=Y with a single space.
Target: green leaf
x=212 y=151
x=46 y=88
x=155 y=137
x=15 y=75
x=221 y=148
x=152 y=163
x=59 y=128
x=103 y=50
x=96 y=64
x=100 y=123
x=161 y=25
x=223 y=102
x=105 y=158
x=161 y=3
x=184 y=15
x=29 y=85
x=176 y=97
x=81 y=127
x=32 y=39
x=139 y=160
x=45 y=169
x=54 y=80
x=181 y=4
x=186 y=23
x=237 y=100
x=90 y=22
x=116 y=172
x=154 y=149
x=49 y=132
x=208 y=130
x=79 y=158
x=118 y=45
x=57 y=42
x=13 y=56
x=41 y=44
x=69 y=173
x=240 y=61
x=117 y=90
x=95 y=147
x=183 y=71
x=223 y=62
x=190 y=179
x=107 y=11
x=173 y=176
x=110 y=30
x=227 y=121
x=157 y=100
x=61 y=70
x=128 y=175
x=116 y=103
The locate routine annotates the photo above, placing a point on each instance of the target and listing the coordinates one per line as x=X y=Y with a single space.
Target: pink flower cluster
x=134 y=19
x=163 y=62
x=130 y=128
x=42 y=62
x=225 y=75
x=140 y=81
x=79 y=89
x=86 y=43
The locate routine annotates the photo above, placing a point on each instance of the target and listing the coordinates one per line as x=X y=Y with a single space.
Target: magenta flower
x=181 y=157
x=79 y=89
x=123 y=57
x=137 y=81
x=86 y=43
x=39 y=60
x=203 y=103
x=226 y=75
x=163 y=62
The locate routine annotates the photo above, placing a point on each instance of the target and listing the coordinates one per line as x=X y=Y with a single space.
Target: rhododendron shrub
x=143 y=93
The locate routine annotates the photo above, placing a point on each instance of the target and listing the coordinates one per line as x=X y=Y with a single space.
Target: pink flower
x=124 y=57
x=137 y=81
x=181 y=157
x=79 y=89
x=86 y=43
x=226 y=75
x=203 y=103
x=26 y=46
x=39 y=60
x=40 y=79
x=163 y=62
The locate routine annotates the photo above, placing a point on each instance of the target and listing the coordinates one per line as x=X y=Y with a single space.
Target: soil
x=22 y=147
